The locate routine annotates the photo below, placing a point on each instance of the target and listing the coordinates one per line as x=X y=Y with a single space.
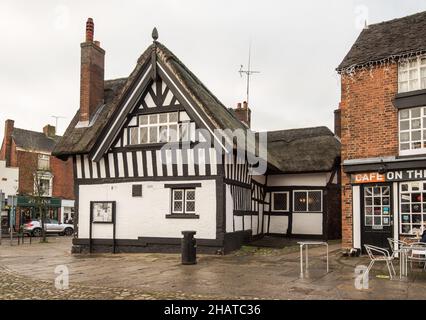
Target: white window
x=412 y=131
x=412 y=74
x=377 y=210
x=280 y=201
x=43 y=162
x=159 y=128
x=412 y=207
x=183 y=201
x=43 y=184
x=307 y=201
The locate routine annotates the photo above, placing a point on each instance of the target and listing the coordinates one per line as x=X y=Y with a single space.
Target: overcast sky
x=295 y=44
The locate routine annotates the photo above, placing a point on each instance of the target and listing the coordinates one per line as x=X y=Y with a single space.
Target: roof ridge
x=396 y=19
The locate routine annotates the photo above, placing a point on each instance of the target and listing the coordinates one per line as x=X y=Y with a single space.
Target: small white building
x=150 y=161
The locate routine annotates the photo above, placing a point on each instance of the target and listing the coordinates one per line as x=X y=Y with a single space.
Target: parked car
x=50 y=225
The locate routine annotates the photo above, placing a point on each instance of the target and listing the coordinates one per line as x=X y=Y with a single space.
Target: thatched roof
x=389 y=39
x=303 y=150
x=34 y=141
x=82 y=139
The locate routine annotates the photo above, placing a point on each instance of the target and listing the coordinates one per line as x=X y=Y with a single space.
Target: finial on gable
x=155 y=34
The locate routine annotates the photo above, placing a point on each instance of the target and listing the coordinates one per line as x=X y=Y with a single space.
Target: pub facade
x=383 y=133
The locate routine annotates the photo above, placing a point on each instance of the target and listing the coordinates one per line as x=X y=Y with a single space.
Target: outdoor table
x=403 y=259
x=306 y=244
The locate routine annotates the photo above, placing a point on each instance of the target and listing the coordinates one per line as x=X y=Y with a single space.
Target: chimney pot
x=239 y=105
x=91 y=75
x=90 y=30
x=245 y=105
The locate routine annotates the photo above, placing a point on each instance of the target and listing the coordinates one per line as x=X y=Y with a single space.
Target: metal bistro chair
x=380 y=254
x=417 y=253
x=398 y=244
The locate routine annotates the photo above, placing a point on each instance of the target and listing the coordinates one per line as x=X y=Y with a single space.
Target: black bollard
x=189 y=248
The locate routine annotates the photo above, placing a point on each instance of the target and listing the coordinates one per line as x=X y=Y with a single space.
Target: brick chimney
x=92 y=74
x=243 y=113
x=7 y=142
x=337 y=122
x=49 y=131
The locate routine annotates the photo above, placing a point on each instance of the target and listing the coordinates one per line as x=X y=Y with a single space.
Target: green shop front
x=28 y=208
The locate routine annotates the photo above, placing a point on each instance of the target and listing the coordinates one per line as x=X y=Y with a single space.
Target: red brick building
x=383 y=133
x=30 y=151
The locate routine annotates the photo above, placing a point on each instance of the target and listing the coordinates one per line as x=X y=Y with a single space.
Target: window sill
x=182 y=216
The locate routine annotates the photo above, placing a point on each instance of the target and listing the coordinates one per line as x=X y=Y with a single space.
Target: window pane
x=143 y=120
x=404 y=114
x=415 y=113
x=178 y=194
x=404 y=125
x=416 y=135
x=414 y=74
x=173 y=136
x=403 y=86
x=190 y=195
x=403 y=76
x=173 y=117
x=404 y=146
x=163 y=117
x=153 y=134
x=153 y=119
x=368 y=221
x=300 y=203
x=405 y=137
x=134 y=135
x=280 y=201
x=177 y=206
x=416 y=124
x=144 y=135
x=414 y=84
x=190 y=206
x=314 y=201
x=163 y=133
x=184 y=131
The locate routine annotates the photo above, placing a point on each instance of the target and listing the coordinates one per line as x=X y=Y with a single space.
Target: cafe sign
x=389 y=176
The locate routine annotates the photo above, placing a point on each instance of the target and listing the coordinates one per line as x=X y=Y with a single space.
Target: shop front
x=387 y=204
x=27 y=209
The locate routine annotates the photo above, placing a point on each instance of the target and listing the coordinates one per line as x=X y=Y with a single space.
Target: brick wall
x=63 y=178
x=369 y=126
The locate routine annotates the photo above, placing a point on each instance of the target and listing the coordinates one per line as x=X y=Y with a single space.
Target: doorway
x=376 y=215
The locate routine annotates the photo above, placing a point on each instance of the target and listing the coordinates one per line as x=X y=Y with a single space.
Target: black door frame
x=390 y=234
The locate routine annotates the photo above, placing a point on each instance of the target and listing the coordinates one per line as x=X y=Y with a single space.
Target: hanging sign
x=389 y=176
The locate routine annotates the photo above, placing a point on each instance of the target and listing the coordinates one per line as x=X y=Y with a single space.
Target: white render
x=300 y=179
x=9 y=177
x=145 y=216
x=307 y=223
x=356 y=209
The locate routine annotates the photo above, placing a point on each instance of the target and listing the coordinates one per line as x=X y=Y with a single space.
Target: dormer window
x=412 y=74
x=412 y=131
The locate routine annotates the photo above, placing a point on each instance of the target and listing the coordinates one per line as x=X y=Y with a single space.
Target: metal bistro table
x=306 y=244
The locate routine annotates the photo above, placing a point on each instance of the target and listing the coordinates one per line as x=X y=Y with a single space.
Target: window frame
x=184 y=201
x=422 y=129
x=418 y=67
x=422 y=203
x=307 y=191
x=273 y=201
x=43 y=157
x=177 y=135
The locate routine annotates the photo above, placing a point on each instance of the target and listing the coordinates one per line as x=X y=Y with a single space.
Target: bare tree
x=38 y=183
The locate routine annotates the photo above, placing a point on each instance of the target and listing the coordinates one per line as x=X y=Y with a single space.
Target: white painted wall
x=301 y=179
x=356 y=211
x=307 y=223
x=279 y=224
x=145 y=216
x=238 y=220
x=9 y=177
